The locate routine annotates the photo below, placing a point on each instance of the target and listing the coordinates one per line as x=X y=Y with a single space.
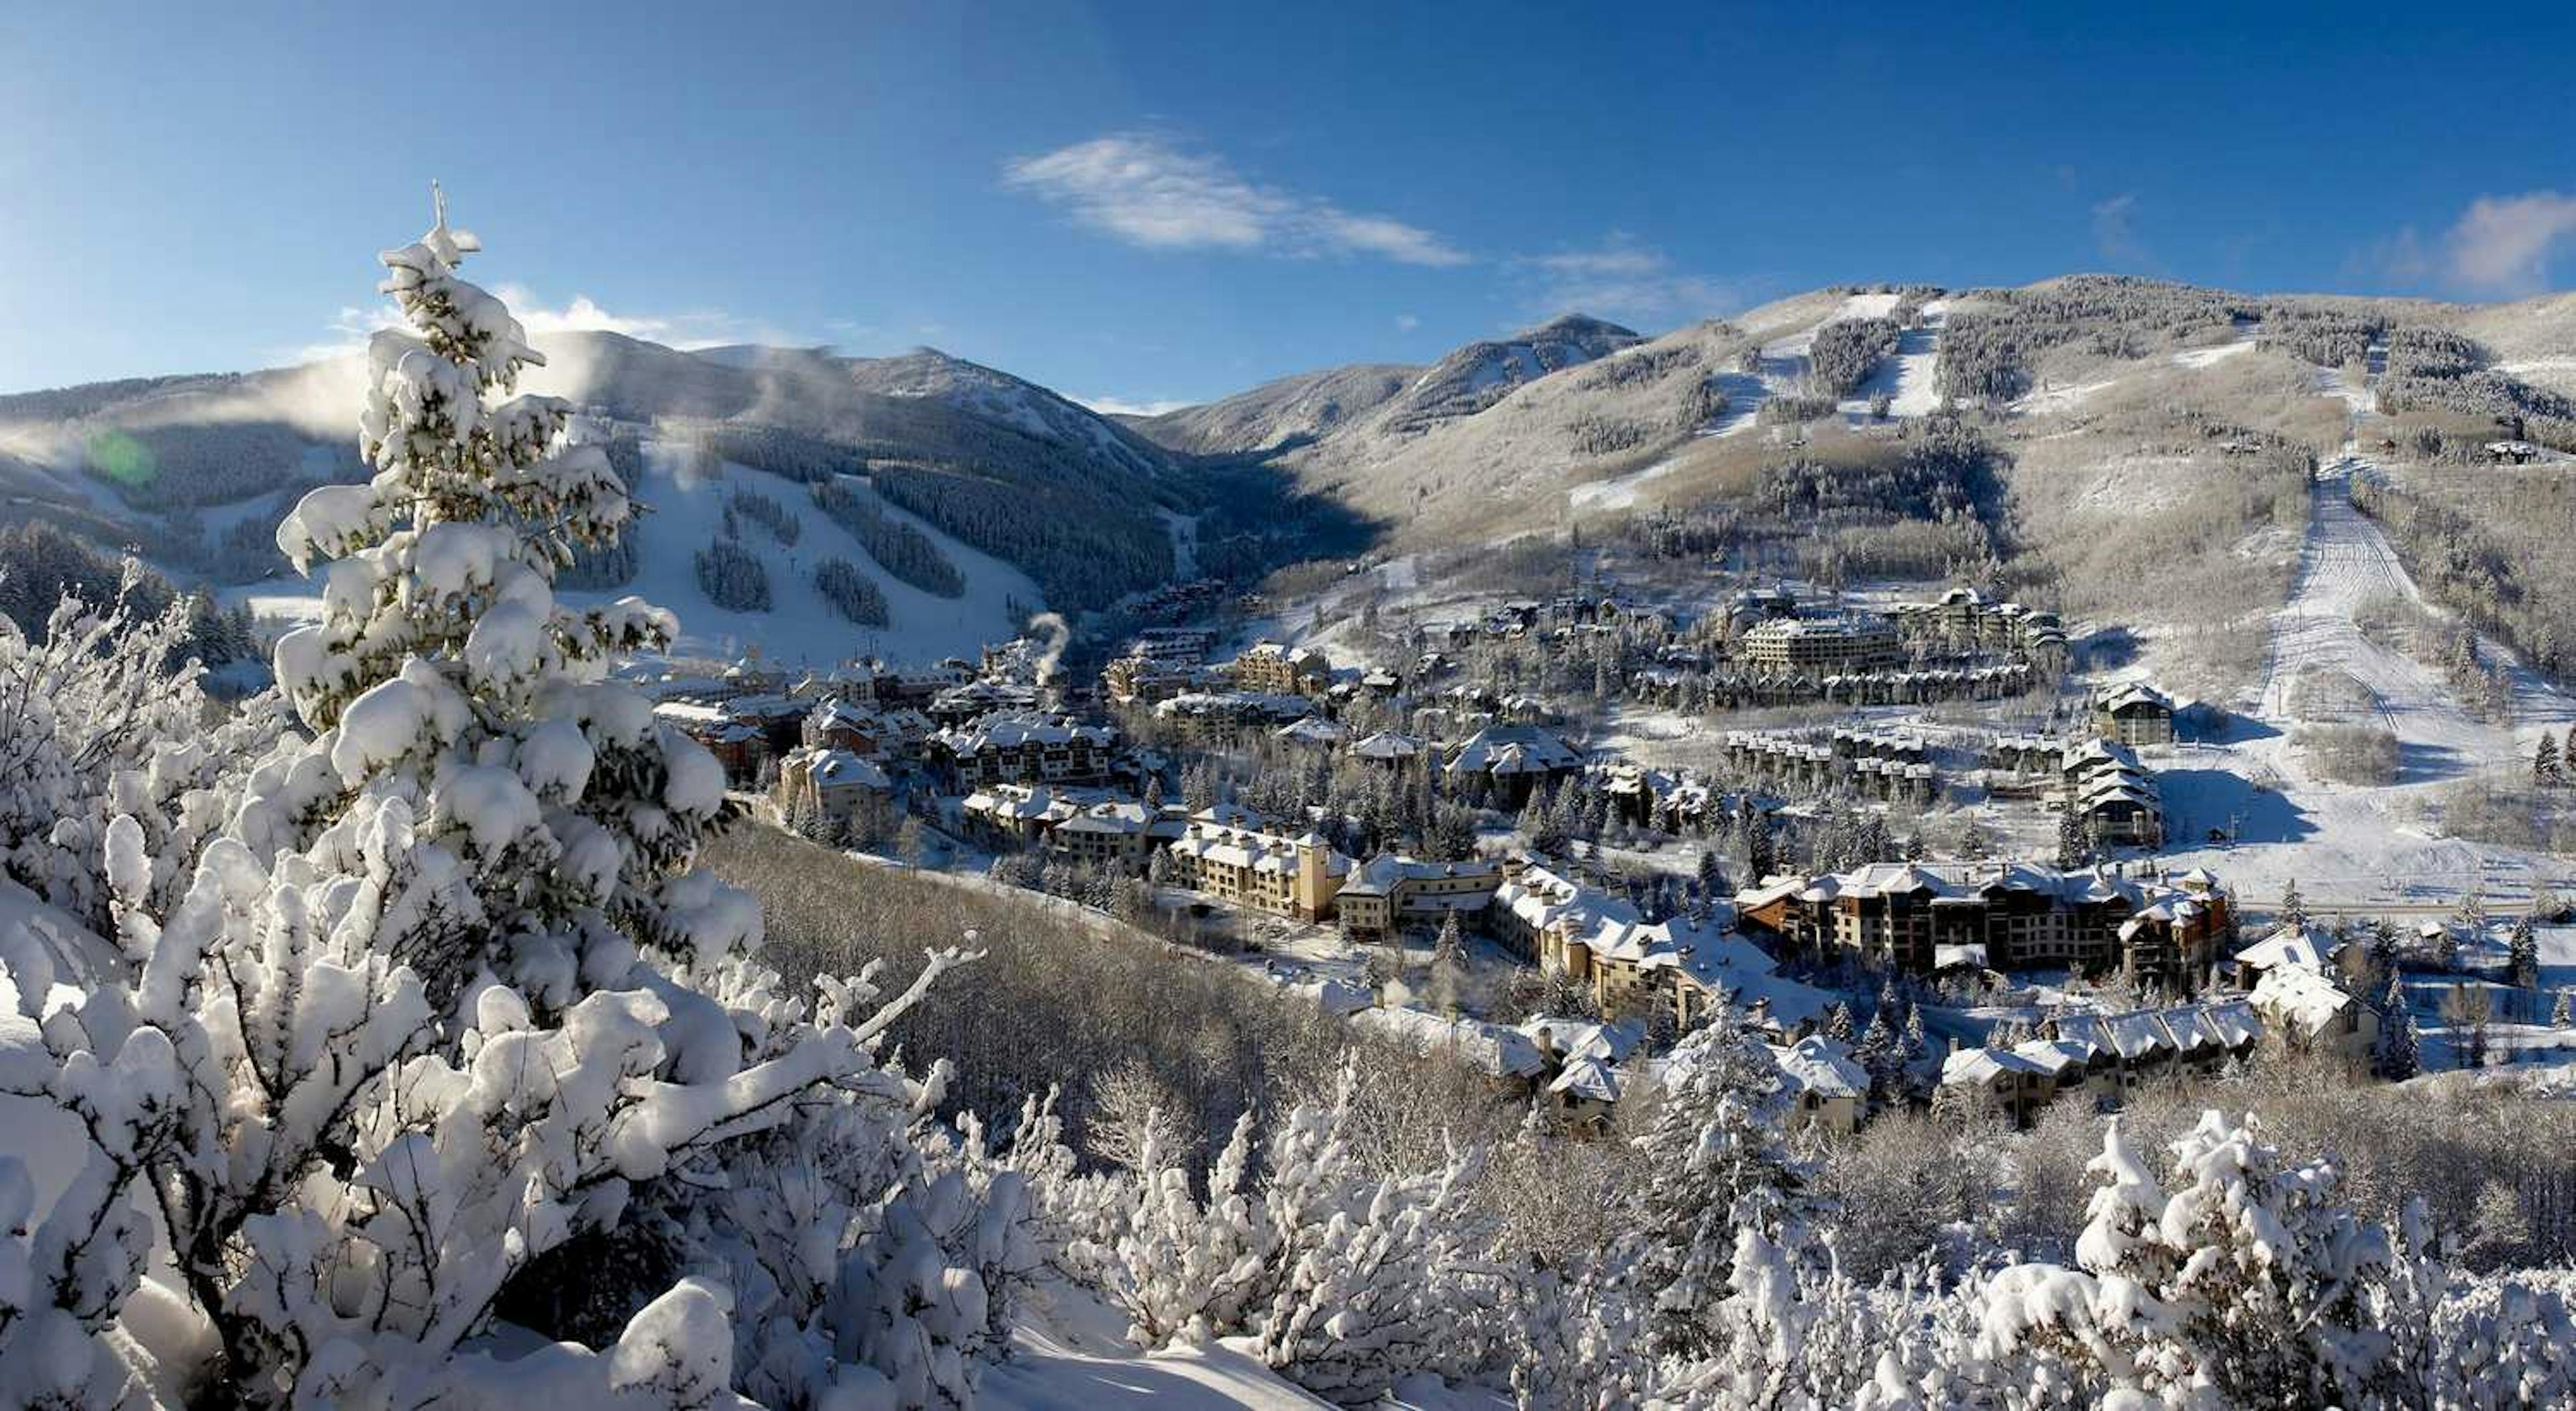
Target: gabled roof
x=1389 y=745
x=1823 y=1066
x=1981 y=1067
x=2288 y=945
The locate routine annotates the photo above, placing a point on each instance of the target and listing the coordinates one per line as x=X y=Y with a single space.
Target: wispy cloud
x=1406 y=323
x=1627 y=280
x=2115 y=232
x=1148 y=192
x=2504 y=244
x=1121 y=406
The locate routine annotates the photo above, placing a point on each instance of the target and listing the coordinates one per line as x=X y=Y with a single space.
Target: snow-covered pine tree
x=1713 y=1164
x=2522 y=953
x=2394 y=1056
x=1881 y=1055
x=449 y=990
x=2563 y=1014
x=2294 y=908
x=1914 y=1048
x=1448 y=965
x=2546 y=766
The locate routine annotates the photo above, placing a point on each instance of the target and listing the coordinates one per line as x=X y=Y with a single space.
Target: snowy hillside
x=800 y=627
x=1305 y=407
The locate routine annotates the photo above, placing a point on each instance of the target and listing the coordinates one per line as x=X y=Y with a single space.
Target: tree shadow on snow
x=2199 y=801
x=2421 y=761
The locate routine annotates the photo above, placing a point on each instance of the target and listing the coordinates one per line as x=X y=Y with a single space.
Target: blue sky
x=1144 y=203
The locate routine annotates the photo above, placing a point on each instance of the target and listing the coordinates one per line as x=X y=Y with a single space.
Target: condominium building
x=1299 y=877
x=1818 y=646
x=2005 y=916
x=1387 y=894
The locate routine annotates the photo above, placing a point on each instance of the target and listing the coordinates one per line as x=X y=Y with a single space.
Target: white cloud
x=1121 y=406
x=1406 y=323
x=1631 y=282
x=1144 y=191
x=351 y=327
x=2504 y=244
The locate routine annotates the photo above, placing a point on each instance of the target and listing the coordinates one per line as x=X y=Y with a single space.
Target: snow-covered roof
x=2135 y=696
x=2054 y=1056
x=1962 y=883
x=1013 y=729
x=2288 y=945
x=1589 y=1078
x=2300 y=999
x=842 y=769
x=1983 y=1067
x=1823 y=1066
x=1389 y=745
x=1494 y=1049
x=1313 y=730
x=1382 y=874
x=1513 y=749
x=1257 y=852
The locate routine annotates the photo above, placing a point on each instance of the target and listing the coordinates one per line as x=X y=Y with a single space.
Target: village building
x=2104 y=1054
x=1297 y=877
x=962 y=703
x=2302 y=947
x=1312 y=732
x=1635 y=968
x=741 y=746
x=1584 y=1057
x=1275 y=668
x=1218 y=717
x=2316 y=1015
x=836 y=785
x=1120 y=834
x=1026 y=747
x=1830 y=1090
x=2134 y=715
x=1137 y=679
x=2025 y=754
x=1389 y=750
x=1507 y=1057
x=1513 y=760
x=1024 y=815
x=1964 y=620
x=890 y=732
x=2020 y=916
x=2114 y=795
x=1655 y=798
x=1818 y=646
x=1387 y=895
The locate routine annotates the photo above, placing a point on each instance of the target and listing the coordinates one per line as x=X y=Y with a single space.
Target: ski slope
x=800 y=628
x=2339 y=841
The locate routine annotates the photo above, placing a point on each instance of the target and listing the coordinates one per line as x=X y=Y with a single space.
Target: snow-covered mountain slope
x=1291 y=410
x=179 y=466
x=1480 y=374
x=1375 y=406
